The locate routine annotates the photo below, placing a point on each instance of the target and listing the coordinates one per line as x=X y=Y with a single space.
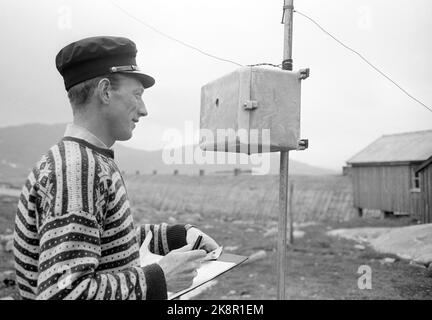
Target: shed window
x=415 y=180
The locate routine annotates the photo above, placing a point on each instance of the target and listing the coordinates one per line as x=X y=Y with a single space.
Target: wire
x=172 y=38
x=264 y=64
x=188 y=45
x=364 y=59
x=270 y=64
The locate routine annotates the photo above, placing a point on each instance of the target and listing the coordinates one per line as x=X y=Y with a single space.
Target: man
x=74 y=232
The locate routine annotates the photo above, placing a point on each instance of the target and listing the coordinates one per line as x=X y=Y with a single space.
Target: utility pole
x=284 y=161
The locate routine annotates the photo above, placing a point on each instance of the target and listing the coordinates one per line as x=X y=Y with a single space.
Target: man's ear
x=104 y=90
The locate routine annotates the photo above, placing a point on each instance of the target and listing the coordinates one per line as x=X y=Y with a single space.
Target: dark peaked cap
x=98 y=56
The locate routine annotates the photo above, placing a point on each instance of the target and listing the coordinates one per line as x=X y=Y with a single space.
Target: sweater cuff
x=156 y=283
x=188 y=226
x=176 y=236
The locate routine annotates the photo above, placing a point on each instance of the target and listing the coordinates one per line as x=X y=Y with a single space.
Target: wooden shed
x=425 y=177
x=385 y=174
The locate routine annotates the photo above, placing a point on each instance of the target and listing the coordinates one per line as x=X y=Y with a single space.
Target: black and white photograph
x=215 y=154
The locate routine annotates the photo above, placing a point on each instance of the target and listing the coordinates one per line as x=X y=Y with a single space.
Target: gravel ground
x=319 y=266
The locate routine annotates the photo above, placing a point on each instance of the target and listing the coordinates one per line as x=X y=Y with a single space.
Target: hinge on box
x=303 y=144
x=304 y=73
x=250 y=104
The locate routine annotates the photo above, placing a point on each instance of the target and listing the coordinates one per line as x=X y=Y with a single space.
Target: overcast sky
x=345 y=104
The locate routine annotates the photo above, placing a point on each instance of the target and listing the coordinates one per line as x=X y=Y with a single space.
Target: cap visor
x=146 y=80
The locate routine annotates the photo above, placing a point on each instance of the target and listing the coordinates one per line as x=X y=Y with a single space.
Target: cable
x=364 y=59
x=264 y=64
x=270 y=64
x=188 y=45
x=172 y=38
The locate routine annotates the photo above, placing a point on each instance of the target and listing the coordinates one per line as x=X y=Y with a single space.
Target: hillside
x=21 y=147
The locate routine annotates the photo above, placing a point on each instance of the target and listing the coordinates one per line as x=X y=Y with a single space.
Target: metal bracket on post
x=287 y=64
x=286 y=7
x=250 y=105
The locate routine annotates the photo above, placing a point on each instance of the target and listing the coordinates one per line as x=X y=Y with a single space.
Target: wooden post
x=291 y=214
x=284 y=161
x=282 y=226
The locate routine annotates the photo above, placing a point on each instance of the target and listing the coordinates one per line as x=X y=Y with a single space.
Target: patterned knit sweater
x=74 y=233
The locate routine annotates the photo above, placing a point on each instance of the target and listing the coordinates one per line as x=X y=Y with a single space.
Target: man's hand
x=207 y=243
x=179 y=267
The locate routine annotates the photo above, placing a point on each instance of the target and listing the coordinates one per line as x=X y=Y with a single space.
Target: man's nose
x=142 y=110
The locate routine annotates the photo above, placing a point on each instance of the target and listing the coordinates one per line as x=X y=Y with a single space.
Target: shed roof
x=425 y=164
x=400 y=147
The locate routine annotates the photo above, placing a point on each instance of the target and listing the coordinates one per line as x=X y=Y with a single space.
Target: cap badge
x=124 y=68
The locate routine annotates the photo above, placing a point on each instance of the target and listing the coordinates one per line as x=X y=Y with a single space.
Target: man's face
x=125 y=108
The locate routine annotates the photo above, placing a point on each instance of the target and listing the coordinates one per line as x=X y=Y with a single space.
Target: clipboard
x=208 y=271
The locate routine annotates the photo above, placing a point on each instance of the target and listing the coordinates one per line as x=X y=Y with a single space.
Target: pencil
x=197 y=242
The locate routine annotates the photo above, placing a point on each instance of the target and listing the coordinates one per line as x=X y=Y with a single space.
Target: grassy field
x=241 y=213
x=317 y=198
x=7 y=217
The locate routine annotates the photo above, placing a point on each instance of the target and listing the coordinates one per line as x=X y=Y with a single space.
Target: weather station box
x=252 y=110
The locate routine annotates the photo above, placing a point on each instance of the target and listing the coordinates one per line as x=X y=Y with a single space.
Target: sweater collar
x=106 y=152
x=76 y=131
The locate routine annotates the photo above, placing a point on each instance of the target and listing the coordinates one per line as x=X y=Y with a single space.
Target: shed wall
x=425 y=205
x=386 y=188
